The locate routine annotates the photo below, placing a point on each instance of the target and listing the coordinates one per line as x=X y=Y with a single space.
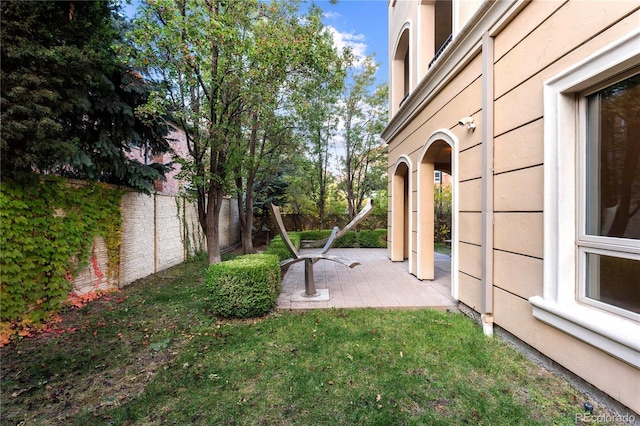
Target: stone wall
x=158 y=231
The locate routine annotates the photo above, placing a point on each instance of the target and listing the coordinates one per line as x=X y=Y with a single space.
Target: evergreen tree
x=68 y=101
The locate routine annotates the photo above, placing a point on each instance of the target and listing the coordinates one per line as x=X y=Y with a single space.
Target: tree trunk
x=245 y=208
x=214 y=204
x=246 y=223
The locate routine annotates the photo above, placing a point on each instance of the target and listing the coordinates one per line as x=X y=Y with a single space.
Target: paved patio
x=376 y=282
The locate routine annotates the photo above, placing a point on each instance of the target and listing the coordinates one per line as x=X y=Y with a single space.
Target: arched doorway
x=399 y=248
x=438 y=154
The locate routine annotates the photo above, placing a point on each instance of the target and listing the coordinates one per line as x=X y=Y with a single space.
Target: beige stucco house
x=533 y=107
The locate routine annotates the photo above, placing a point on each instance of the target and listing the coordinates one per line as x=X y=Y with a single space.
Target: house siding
x=532 y=42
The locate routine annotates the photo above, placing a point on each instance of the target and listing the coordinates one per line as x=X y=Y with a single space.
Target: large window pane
x=614 y=280
x=613 y=161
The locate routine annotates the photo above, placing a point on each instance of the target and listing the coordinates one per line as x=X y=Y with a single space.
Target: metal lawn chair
x=311 y=258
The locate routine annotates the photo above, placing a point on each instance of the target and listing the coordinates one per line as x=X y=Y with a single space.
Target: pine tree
x=68 y=100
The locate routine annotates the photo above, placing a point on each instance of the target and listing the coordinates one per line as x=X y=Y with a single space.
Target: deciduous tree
x=364 y=111
x=286 y=48
x=225 y=66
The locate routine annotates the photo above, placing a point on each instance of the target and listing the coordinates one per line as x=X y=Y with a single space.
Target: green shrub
x=278 y=248
x=364 y=238
x=315 y=235
x=245 y=287
x=373 y=239
x=348 y=240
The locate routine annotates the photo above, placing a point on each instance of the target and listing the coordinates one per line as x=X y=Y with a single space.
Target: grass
x=442 y=248
x=153 y=354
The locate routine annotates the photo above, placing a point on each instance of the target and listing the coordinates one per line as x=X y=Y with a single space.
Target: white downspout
x=486 y=295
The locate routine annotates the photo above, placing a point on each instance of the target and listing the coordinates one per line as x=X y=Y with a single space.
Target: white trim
x=422 y=25
x=558 y=305
x=405 y=26
x=463 y=48
x=612 y=334
x=582 y=279
x=455 y=12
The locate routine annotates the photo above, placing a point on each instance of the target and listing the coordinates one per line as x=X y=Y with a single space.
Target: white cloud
x=332 y=15
x=355 y=41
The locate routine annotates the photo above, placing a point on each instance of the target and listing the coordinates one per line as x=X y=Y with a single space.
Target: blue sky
x=360 y=24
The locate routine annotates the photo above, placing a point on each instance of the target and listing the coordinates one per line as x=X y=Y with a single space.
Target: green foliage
x=442 y=205
x=48 y=229
x=229 y=72
x=278 y=248
x=364 y=238
x=314 y=235
x=364 y=111
x=376 y=238
x=348 y=240
x=245 y=287
x=68 y=101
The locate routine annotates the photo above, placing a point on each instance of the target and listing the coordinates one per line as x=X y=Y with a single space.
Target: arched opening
x=401 y=71
x=399 y=241
x=443 y=24
x=438 y=154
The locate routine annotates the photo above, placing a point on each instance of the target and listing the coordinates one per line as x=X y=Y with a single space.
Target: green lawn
x=153 y=354
x=442 y=248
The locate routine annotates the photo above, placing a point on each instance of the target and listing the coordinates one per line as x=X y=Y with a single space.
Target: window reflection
x=613 y=161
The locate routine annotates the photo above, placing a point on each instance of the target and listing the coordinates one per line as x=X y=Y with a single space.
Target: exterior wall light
x=468 y=122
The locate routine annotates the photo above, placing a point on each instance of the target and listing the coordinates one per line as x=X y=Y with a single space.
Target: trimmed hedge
x=278 y=248
x=373 y=239
x=245 y=287
x=314 y=235
x=364 y=238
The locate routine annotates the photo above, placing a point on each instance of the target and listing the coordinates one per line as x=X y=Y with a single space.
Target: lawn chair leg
x=309 y=285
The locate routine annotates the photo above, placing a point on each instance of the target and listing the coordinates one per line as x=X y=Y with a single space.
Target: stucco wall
x=95 y=275
x=158 y=231
x=536 y=41
x=544 y=39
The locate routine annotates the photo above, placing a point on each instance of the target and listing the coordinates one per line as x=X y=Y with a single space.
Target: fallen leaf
x=17 y=393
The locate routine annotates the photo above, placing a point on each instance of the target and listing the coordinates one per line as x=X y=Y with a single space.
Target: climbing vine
x=191 y=239
x=48 y=229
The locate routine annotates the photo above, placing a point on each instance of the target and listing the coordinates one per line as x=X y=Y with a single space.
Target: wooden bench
x=310 y=258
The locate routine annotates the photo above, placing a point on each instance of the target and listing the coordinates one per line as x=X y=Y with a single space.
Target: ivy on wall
x=48 y=229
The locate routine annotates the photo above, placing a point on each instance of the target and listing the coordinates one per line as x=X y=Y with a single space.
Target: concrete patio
x=376 y=283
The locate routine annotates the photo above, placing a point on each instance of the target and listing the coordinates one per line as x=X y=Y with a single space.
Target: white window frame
x=437 y=176
x=593 y=244
x=560 y=305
